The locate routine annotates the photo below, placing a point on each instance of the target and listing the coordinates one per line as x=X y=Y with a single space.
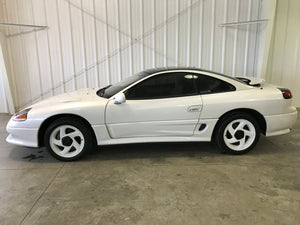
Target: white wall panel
x=284 y=60
x=92 y=43
x=3 y=95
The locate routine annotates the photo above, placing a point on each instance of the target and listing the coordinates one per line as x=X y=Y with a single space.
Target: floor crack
x=34 y=204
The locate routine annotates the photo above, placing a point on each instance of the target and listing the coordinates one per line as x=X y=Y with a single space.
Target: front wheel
x=237 y=133
x=68 y=139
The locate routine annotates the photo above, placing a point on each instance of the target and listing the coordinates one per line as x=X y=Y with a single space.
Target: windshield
x=111 y=90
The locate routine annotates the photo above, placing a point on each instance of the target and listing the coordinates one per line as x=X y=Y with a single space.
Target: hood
x=76 y=100
x=75 y=96
x=84 y=103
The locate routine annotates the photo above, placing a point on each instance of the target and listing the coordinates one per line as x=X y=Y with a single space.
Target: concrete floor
x=186 y=183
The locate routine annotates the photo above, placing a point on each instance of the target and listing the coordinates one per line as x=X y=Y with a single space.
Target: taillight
x=286 y=93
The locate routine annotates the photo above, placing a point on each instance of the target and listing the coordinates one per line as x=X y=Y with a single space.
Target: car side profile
x=157 y=105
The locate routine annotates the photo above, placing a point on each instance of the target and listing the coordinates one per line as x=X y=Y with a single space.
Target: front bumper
x=22 y=135
x=280 y=124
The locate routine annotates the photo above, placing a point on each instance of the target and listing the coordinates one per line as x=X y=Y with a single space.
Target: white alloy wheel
x=239 y=134
x=66 y=141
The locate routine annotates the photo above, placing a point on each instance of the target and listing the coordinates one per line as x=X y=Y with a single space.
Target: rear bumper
x=280 y=124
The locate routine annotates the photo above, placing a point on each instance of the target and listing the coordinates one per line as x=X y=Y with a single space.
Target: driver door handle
x=194 y=108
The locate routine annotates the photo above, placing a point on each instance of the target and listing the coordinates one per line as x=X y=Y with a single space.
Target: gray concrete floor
x=185 y=183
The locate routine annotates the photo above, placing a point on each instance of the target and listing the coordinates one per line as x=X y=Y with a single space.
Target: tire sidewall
x=224 y=123
x=84 y=129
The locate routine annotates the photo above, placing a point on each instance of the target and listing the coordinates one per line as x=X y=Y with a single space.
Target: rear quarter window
x=211 y=85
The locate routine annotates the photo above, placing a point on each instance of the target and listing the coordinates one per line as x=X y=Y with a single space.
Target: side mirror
x=120 y=98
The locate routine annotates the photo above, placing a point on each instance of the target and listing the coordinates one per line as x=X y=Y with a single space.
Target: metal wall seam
x=188 y=44
x=12 y=70
x=284 y=43
x=224 y=37
x=235 y=38
x=153 y=36
x=131 y=40
x=212 y=34
x=72 y=49
x=60 y=49
x=256 y=37
x=297 y=52
x=119 y=40
x=200 y=35
x=247 y=38
x=155 y=41
x=107 y=44
x=25 y=61
x=177 y=34
x=142 y=35
x=49 y=49
x=96 y=45
x=165 y=33
x=5 y=88
x=83 y=45
x=37 y=52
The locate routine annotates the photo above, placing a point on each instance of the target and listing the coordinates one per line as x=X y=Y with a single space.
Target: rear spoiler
x=252 y=81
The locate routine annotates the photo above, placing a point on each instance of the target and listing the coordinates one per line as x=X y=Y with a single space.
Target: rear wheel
x=237 y=133
x=68 y=139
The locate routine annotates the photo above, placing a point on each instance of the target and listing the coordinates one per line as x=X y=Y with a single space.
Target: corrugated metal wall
x=92 y=43
x=284 y=60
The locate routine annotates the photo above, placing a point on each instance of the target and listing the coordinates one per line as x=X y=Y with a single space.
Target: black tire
x=69 y=135
x=237 y=133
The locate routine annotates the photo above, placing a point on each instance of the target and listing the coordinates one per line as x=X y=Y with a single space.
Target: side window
x=210 y=85
x=163 y=86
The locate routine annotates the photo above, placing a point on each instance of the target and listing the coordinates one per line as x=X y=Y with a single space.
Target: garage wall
x=6 y=102
x=3 y=97
x=284 y=60
x=92 y=43
x=3 y=102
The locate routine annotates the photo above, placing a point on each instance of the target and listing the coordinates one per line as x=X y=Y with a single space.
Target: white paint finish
x=278 y=128
x=92 y=43
x=157 y=117
x=283 y=62
x=157 y=120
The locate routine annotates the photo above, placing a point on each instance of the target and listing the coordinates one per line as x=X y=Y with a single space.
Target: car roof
x=166 y=69
x=149 y=72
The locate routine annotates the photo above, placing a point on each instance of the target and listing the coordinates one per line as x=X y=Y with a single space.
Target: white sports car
x=157 y=105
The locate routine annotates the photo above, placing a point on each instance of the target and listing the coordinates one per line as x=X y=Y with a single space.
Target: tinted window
x=163 y=86
x=111 y=90
x=210 y=85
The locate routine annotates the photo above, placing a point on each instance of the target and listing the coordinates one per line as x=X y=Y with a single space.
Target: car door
x=161 y=105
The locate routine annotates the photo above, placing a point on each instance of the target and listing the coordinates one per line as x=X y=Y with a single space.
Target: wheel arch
x=51 y=119
x=255 y=114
